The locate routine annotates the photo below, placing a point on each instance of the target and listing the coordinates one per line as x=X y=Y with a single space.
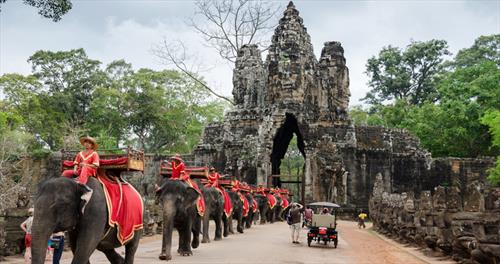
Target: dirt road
x=271 y=243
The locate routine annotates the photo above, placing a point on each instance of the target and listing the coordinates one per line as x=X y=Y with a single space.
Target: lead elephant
x=178 y=200
x=58 y=208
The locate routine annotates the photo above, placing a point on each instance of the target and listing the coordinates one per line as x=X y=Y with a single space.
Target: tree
x=53 y=9
x=485 y=48
x=226 y=26
x=408 y=74
x=492 y=119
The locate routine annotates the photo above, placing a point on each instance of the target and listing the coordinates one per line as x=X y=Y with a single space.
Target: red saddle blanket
x=124 y=208
x=246 y=206
x=285 y=202
x=255 y=207
x=200 y=203
x=228 y=206
x=272 y=200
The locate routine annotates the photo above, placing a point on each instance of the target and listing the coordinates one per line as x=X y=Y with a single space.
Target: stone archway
x=281 y=140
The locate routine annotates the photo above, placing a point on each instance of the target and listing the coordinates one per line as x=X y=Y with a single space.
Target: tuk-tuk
x=323 y=227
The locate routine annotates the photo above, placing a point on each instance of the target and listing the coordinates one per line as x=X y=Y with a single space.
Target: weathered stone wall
x=461 y=219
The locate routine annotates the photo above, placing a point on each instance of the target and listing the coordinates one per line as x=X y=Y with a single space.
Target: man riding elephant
x=85 y=164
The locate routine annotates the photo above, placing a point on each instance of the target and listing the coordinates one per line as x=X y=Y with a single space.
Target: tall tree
x=53 y=9
x=485 y=48
x=408 y=74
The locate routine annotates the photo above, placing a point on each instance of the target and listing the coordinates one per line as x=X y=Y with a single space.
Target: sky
x=129 y=29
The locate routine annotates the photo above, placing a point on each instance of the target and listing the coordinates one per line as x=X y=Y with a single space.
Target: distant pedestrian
x=58 y=246
x=26 y=227
x=361 y=219
x=308 y=213
x=295 y=225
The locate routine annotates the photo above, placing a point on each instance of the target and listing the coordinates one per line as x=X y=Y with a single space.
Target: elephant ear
x=190 y=197
x=80 y=190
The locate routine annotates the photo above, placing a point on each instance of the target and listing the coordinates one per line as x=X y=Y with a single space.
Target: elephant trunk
x=41 y=231
x=169 y=212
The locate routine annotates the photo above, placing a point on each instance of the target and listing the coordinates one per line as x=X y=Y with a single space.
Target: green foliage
x=69 y=94
x=449 y=126
x=492 y=119
x=53 y=9
x=408 y=74
x=485 y=48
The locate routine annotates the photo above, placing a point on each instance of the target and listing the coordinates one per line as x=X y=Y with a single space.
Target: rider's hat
x=91 y=140
x=177 y=157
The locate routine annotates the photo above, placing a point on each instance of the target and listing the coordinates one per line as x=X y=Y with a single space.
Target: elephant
x=58 y=207
x=247 y=220
x=178 y=200
x=214 y=202
x=263 y=204
x=236 y=214
x=278 y=209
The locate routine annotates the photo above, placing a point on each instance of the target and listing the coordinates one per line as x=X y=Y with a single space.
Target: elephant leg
x=131 y=248
x=184 y=241
x=225 y=220
x=166 y=245
x=86 y=242
x=206 y=223
x=230 y=223
x=196 y=232
x=218 y=227
x=239 y=223
x=112 y=256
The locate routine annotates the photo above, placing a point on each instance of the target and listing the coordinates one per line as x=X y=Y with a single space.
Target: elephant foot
x=195 y=243
x=205 y=240
x=231 y=232
x=226 y=234
x=217 y=238
x=186 y=253
x=240 y=230
x=164 y=256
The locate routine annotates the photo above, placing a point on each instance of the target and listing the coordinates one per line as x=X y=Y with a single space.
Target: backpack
x=289 y=218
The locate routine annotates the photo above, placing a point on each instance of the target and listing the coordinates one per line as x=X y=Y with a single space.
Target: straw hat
x=177 y=157
x=91 y=140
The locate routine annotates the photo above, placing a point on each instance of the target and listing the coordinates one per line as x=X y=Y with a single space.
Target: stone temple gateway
x=292 y=92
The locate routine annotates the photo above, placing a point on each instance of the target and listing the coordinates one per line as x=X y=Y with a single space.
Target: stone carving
x=439 y=224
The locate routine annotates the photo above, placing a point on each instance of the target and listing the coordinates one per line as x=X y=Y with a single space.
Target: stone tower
x=294 y=93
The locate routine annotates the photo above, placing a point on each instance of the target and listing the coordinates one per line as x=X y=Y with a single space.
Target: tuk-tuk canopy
x=324 y=204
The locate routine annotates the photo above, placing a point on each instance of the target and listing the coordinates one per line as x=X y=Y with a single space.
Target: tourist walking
x=295 y=224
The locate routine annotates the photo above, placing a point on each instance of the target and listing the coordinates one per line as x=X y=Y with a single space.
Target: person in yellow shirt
x=361 y=219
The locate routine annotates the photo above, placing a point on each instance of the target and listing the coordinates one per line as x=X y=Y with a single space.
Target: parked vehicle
x=323 y=227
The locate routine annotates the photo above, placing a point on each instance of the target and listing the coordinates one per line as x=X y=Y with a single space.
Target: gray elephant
x=237 y=213
x=263 y=204
x=214 y=202
x=247 y=220
x=178 y=200
x=58 y=208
